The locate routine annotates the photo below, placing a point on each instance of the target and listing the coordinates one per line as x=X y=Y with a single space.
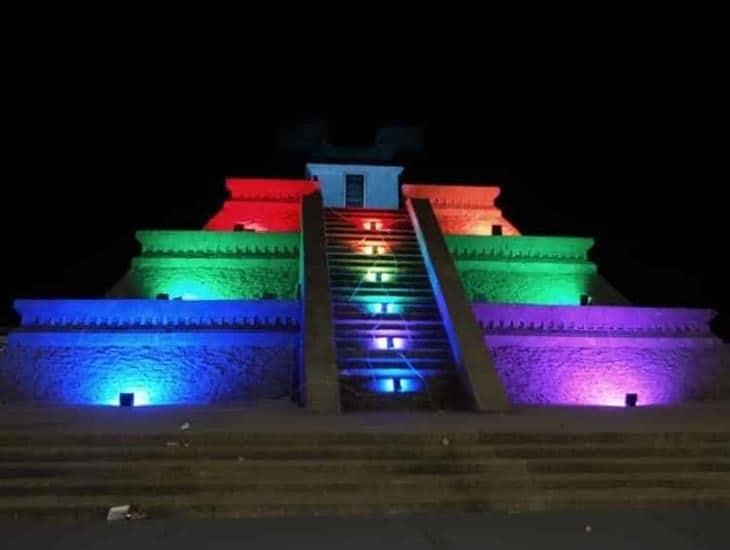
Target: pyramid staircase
x=392 y=349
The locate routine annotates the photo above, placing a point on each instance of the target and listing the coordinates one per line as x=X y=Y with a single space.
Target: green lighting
x=528 y=270
x=384 y=307
x=216 y=244
x=213 y=265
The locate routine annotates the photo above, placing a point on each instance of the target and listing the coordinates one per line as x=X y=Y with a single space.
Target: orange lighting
x=373 y=249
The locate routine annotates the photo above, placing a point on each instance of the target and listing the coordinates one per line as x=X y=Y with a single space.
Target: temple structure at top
x=350 y=289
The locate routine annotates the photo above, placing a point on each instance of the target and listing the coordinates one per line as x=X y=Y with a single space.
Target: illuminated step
x=401 y=372
x=397 y=341
x=408 y=305
x=381 y=275
x=393 y=322
x=343 y=230
x=380 y=279
x=359 y=247
x=431 y=355
x=349 y=232
x=405 y=331
x=375 y=258
x=385 y=283
x=385 y=312
x=365 y=213
x=363 y=293
x=370 y=260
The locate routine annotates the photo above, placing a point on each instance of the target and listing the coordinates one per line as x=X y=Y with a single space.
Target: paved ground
x=546 y=531
x=282 y=417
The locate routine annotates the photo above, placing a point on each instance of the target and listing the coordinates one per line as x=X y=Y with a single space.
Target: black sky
x=627 y=163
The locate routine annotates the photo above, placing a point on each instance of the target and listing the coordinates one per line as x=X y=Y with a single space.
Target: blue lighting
x=165 y=352
x=397 y=385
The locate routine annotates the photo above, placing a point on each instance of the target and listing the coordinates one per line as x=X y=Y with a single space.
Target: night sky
x=85 y=170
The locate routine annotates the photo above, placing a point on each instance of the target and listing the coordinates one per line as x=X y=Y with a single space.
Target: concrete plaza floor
x=283 y=417
x=544 y=531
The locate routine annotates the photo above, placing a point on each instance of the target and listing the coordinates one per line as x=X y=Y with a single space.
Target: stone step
x=359 y=226
x=344 y=233
x=347 y=256
x=410 y=340
x=711 y=441
x=389 y=323
x=357 y=247
x=377 y=289
x=400 y=371
x=386 y=281
x=362 y=270
x=215 y=505
x=391 y=286
x=370 y=213
x=316 y=450
x=408 y=311
x=509 y=478
x=214 y=468
x=393 y=364
x=436 y=351
x=347 y=232
x=342 y=238
x=368 y=261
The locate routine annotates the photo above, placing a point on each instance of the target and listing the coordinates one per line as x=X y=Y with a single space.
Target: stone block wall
x=89 y=351
x=209 y=265
x=552 y=355
x=262 y=205
x=529 y=270
x=462 y=209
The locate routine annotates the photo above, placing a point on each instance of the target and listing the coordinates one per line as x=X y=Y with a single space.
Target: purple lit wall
x=595 y=355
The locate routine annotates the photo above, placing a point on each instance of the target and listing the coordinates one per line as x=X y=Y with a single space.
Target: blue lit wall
x=165 y=352
x=381 y=183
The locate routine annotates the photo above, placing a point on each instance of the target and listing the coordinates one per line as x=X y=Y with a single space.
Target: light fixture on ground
x=126 y=400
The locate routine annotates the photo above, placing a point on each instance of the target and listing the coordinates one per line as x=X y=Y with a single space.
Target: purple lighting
x=561 y=355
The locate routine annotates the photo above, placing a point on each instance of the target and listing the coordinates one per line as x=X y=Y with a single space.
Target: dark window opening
x=355 y=190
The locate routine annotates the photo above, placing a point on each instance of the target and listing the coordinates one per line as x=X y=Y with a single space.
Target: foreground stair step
x=215 y=468
x=211 y=505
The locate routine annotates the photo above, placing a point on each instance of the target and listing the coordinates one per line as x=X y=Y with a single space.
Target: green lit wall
x=529 y=270
x=208 y=265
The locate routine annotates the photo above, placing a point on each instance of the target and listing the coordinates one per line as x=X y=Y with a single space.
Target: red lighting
x=262 y=205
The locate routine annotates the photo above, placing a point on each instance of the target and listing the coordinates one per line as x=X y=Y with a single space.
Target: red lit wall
x=262 y=205
x=462 y=209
